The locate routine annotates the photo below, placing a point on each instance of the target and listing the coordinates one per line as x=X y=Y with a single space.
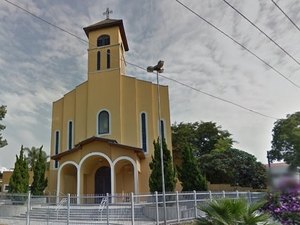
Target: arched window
x=144 y=131
x=98 y=60
x=162 y=131
x=108 y=59
x=103 y=40
x=56 y=146
x=103 y=122
x=70 y=135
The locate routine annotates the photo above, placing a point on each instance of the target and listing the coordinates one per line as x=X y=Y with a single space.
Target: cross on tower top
x=107 y=12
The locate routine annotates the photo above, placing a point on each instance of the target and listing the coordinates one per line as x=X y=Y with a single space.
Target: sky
x=39 y=63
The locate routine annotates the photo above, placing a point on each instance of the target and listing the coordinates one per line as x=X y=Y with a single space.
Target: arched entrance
x=126 y=175
x=67 y=178
x=103 y=181
x=96 y=174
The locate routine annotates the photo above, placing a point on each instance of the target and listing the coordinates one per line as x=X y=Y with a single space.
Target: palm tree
x=233 y=212
x=32 y=155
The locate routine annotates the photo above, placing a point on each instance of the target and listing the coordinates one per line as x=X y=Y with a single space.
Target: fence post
x=210 y=196
x=132 y=208
x=107 y=208
x=177 y=207
x=77 y=199
x=224 y=195
x=237 y=194
x=156 y=206
x=68 y=209
x=28 y=208
x=249 y=197
x=48 y=214
x=195 y=203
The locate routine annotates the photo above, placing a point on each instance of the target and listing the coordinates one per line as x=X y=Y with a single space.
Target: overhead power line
x=45 y=21
x=284 y=13
x=260 y=30
x=142 y=68
x=210 y=95
x=219 y=98
x=241 y=45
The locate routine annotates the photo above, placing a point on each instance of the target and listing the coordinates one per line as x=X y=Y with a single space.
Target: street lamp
x=269 y=159
x=159 y=69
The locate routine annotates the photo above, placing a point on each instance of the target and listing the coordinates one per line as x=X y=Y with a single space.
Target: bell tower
x=107 y=46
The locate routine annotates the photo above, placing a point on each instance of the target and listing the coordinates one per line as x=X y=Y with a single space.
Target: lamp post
x=159 y=69
x=269 y=159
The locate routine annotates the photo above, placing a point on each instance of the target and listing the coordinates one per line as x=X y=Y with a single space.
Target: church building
x=103 y=130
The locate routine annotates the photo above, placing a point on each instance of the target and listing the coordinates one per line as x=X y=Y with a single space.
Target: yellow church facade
x=103 y=130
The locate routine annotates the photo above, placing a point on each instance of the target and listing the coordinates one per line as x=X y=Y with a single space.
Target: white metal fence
x=109 y=209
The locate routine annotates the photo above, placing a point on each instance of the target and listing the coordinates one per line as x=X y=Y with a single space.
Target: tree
x=234 y=167
x=216 y=168
x=189 y=173
x=33 y=154
x=286 y=140
x=203 y=138
x=39 y=181
x=3 y=111
x=155 y=182
x=19 y=180
x=233 y=212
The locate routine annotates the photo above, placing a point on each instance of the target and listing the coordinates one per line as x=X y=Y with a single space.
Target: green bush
x=233 y=212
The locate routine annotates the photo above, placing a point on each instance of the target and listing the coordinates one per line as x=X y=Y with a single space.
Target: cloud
x=39 y=63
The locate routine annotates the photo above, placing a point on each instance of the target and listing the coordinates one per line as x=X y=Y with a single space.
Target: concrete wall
x=227 y=187
x=12 y=210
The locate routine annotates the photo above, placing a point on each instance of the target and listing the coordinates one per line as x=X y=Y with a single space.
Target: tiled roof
x=78 y=147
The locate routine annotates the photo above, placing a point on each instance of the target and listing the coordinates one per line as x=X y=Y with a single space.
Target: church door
x=102 y=181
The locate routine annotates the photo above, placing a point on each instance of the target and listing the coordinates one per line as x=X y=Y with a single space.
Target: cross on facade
x=107 y=12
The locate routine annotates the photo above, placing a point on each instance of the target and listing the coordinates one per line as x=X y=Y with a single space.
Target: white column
x=58 y=185
x=78 y=184
x=136 y=179
x=112 y=177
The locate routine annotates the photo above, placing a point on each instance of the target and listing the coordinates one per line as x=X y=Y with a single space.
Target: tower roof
x=108 y=23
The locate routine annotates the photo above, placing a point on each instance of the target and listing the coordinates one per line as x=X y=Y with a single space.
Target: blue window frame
x=57 y=136
x=108 y=59
x=70 y=135
x=98 y=60
x=144 y=131
x=162 y=131
x=103 y=122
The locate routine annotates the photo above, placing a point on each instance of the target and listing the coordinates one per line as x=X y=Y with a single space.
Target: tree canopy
x=203 y=138
x=155 y=182
x=3 y=111
x=216 y=158
x=33 y=154
x=286 y=140
x=234 y=167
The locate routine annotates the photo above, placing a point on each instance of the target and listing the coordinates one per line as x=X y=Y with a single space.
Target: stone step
x=84 y=218
x=84 y=213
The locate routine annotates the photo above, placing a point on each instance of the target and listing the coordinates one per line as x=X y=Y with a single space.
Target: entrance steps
x=86 y=213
